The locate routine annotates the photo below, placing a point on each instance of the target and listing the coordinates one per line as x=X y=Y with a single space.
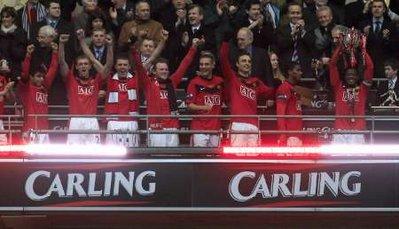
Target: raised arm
x=110 y=57
x=64 y=69
x=227 y=71
x=186 y=62
x=26 y=63
x=369 y=70
x=142 y=74
x=334 y=73
x=52 y=71
x=86 y=50
x=158 y=49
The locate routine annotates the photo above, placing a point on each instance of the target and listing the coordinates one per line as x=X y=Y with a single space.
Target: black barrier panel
x=295 y=185
x=199 y=184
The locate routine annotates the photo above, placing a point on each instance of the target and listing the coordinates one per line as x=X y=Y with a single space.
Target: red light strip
x=329 y=150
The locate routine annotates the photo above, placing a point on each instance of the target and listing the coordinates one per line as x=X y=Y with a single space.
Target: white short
x=3 y=137
x=348 y=139
x=164 y=140
x=244 y=139
x=205 y=140
x=128 y=140
x=38 y=138
x=83 y=124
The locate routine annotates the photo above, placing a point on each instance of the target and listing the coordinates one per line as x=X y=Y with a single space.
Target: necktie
x=295 y=53
x=391 y=85
x=377 y=27
x=98 y=54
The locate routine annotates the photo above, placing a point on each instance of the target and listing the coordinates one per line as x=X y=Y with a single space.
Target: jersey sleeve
x=265 y=91
x=52 y=71
x=282 y=96
x=183 y=67
x=333 y=67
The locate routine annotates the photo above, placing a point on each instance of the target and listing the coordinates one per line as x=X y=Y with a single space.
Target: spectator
x=143 y=22
x=271 y=12
x=121 y=12
x=321 y=35
x=291 y=40
x=83 y=88
x=42 y=53
x=97 y=20
x=261 y=29
x=30 y=14
x=350 y=95
x=99 y=45
x=381 y=35
x=289 y=102
x=81 y=20
x=160 y=96
x=53 y=19
x=205 y=97
x=34 y=88
x=12 y=42
x=278 y=76
x=243 y=94
x=388 y=91
x=260 y=66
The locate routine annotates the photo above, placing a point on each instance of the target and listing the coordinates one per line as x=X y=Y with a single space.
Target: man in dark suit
x=262 y=30
x=261 y=66
x=292 y=40
x=54 y=19
x=120 y=12
x=388 y=91
x=380 y=31
x=195 y=28
x=98 y=45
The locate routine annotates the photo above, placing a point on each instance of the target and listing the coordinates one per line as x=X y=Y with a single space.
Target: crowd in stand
x=233 y=52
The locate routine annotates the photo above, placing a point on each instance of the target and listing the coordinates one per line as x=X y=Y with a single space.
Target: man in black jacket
x=381 y=33
x=388 y=91
x=292 y=43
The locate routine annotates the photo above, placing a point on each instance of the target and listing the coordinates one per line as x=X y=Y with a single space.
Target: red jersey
x=243 y=92
x=287 y=102
x=3 y=83
x=209 y=92
x=122 y=96
x=35 y=98
x=156 y=92
x=83 y=95
x=350 y=101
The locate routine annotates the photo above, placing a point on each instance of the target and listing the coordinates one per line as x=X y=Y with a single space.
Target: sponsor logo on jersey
x=164 y=94
x=212 y=100
x=85 y=90
x=247 y=92
x=122 y=87
x=41 y=97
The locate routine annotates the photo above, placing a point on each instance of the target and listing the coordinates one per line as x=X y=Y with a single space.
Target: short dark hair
x=394 y=63
x=38 y=68
x=142 y=1
x=52 y=1
x=288 y=66
x=292 y=4
x=242 y=53
x=250 y=3
x=8 y=11
x=192 y=6
x=161 y=60
x=122 y=56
